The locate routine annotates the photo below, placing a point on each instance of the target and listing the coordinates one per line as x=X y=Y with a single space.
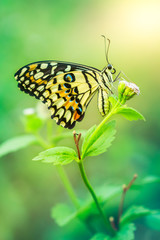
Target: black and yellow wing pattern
x=66 y=88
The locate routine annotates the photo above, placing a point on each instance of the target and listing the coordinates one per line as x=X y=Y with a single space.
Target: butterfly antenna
x=106 y=48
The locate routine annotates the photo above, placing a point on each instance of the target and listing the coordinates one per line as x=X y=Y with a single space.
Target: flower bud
x=127 y=90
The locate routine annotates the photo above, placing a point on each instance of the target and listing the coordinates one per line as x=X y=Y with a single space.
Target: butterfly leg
x=117 y=77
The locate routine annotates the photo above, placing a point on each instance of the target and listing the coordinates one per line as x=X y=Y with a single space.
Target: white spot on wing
x=62 y=123
x=44 y=65
x=40 y=88
x=38 y=75
x=67 y=115
x=27 y=82
x=60 y=112
x=60 y=72
x=32 y=86
x=53 y=63
x=53 y=68
x=68 y=68
x=45 y=76
x=22 y=78
x=23 y=71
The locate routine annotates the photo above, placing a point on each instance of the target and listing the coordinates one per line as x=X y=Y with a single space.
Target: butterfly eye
x=109 y=66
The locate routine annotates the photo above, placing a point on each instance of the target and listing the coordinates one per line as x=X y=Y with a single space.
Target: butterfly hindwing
x=64 y=87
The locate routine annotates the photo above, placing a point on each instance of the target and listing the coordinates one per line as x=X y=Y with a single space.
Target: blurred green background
x=71 y=30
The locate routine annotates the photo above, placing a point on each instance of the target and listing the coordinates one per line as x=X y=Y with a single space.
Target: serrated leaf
x=16 y=143
x=57 y=156
x=129 y=113
x=62 y=214
x=126 y=232
x=134 y=213
x=99 y=142
x=153 y=221
x=100 y=236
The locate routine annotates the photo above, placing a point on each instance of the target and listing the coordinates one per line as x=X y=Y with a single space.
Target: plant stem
x=68 y=186
x=89 y=187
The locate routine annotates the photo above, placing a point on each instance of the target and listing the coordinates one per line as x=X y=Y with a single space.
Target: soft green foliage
x=16 y=143
x=125 y=233
x=100 y=236
x=95 y=144
x=57 y=156
x=87 y=209
x=62 y=214
x=130 y=113
x=135 y=212
x=153 y=221
x=32 y=122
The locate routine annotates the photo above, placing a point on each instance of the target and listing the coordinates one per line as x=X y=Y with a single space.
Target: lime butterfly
x=66 y=88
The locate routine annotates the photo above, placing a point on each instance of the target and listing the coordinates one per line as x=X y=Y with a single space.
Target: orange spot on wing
x=39 y=81
x=76 y=115
x=32 y=67
x=70 y=104
x=63 y=94
x=31 y=78
x=27 y=74
x=67 y=104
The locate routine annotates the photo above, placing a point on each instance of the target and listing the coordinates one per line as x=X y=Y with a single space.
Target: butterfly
x=67 y=88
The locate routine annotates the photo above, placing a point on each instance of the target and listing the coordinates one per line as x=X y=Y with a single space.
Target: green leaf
x=57 y=156
x=126 y=232
x=15 y=144
x=134 y=213
x=153 y=221
x=98 y=143
x=62 y=214
x=113 y=100
x=129 y=113
x=86 y=138
x=100 y=236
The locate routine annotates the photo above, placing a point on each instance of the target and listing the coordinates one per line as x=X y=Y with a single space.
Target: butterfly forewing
x=64 y=87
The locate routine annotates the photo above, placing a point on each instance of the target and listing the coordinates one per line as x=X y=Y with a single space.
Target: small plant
x=95 y=141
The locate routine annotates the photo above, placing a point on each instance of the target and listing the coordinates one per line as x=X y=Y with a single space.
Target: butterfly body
x=66 y=88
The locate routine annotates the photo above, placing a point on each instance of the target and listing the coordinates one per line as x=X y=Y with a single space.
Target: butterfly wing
x=65 y=88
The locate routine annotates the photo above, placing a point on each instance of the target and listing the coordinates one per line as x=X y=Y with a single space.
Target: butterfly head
x=107 y=72
x=111 y=68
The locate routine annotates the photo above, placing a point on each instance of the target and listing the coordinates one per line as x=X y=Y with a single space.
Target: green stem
x=89 y=187
x=68 y=186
